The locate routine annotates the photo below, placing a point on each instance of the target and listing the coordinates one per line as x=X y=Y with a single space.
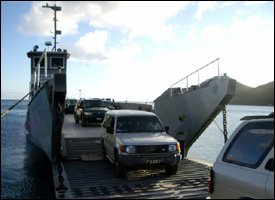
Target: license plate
x=151 y=162
x=98 y=118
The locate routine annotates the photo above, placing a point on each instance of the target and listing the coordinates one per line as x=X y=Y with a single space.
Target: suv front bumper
x=149 y=161
x=93 y=118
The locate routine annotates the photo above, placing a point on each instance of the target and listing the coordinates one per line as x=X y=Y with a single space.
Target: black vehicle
x=69 y=106
x=90 y=111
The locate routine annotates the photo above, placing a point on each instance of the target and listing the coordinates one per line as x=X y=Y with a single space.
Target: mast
x=56 y=32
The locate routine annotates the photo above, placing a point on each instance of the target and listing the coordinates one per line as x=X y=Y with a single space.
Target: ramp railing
x=196 y=71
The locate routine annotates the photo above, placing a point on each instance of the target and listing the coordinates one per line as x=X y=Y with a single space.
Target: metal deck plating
x=87 y=176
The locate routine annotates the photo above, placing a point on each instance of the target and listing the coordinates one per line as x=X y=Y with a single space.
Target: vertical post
x=38 y=74
x=55 y=8
x=187 y=83
x=219 y=68
x=199 y=78
x=46 y=65
x=54 y=27
x=34 y=79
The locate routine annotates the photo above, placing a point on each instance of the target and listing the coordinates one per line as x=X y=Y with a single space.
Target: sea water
x=211 y=141
x=26 y=173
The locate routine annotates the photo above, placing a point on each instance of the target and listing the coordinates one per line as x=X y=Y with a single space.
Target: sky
x=134 y=51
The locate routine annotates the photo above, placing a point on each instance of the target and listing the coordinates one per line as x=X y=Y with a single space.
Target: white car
x=137 y=139
x=245 y=166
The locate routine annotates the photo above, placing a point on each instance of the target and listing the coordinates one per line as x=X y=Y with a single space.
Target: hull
x=39 y=122
x=198 y=107
x=45 y=116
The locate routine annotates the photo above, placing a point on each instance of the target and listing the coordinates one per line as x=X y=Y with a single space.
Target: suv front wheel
x=103 y=151
x=76 y=119
x=120 y=170
x=82 y=121
x=171 y=170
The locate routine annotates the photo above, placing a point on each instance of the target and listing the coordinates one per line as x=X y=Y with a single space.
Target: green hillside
x=262 y=95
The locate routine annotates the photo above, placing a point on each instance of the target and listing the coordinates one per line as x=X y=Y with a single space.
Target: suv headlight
x=131 y=149
x=88 y=113
x=172 y=147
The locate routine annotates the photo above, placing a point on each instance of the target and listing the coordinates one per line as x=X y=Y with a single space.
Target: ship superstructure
x=47 y=96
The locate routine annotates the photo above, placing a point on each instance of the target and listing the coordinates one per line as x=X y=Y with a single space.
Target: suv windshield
x=93 y=103
x=134 y=124
x=71 y=101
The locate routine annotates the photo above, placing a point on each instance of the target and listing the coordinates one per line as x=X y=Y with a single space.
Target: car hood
x=159 y=138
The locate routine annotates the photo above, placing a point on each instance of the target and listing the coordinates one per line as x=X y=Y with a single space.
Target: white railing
x=198 y=72
x=36 y=79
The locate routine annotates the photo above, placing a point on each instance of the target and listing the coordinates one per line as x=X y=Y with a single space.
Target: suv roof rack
x=271 y=115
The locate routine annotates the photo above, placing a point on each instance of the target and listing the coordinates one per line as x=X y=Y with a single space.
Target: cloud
x=92 y=45
x=253 y=3
x=147 y=18
x=131 y=20
x=115 y=33
x=245 y=47
x=36 y=22
x=136 y=18
x=228 y=3
x=204 y=6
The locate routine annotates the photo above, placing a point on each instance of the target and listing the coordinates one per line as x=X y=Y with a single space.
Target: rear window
x=134 y=124
x=251 y=144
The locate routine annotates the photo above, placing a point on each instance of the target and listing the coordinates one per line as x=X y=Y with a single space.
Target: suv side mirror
x=166 y=128
x=110 y=130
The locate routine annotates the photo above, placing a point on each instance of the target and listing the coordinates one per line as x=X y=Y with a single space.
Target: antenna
x=56 y=32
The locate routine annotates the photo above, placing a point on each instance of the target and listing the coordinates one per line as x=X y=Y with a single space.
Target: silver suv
x=137 y=139
x=245 y=166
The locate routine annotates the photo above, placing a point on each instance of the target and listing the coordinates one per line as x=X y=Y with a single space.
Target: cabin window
x=57 y=62
x=42 y=63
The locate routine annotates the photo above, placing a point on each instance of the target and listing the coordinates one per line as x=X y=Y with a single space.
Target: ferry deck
x=87 y=176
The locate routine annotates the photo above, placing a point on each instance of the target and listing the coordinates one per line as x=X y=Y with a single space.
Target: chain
x=224 y=124
x=62 y=188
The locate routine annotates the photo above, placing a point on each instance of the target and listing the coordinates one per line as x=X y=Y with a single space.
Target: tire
x=171 y=170
x=103 y=151
x=82 y=122
x=120 y=170
x=76 y=119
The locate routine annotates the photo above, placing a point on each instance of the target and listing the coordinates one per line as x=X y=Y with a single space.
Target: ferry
x=75 y=152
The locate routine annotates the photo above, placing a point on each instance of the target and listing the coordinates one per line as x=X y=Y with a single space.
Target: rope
x=10 y=108
x=218 y=126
